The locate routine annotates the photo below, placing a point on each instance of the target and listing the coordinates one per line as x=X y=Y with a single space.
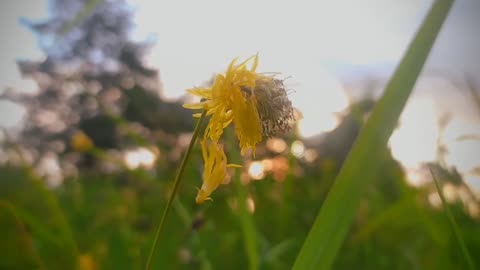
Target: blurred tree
x=92 y=79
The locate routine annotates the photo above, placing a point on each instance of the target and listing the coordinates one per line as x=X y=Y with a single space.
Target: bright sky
x=317 y=43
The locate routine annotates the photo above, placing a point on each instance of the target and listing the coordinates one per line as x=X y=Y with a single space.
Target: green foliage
x=453 y=223
x=245 y=219
x=112 y=218
x=16 y=249
x=39 y=211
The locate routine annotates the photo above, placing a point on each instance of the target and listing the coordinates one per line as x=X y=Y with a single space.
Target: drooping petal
x=248 y=128
x=215 y=170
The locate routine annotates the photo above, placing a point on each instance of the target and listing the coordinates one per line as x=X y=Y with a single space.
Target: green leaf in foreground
x=332 y=223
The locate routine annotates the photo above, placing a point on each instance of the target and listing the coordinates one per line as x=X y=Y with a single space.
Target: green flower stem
x=456 y=230
x=176 y=184
x=245 y=218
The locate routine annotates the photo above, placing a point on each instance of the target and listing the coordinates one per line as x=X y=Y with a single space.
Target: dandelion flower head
x=257 y=105
x=225 y=102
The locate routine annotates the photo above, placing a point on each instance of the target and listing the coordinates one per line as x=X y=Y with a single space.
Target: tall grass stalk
x=332 y=223
x=246 y=220
x=453 y=223
x=177 y=181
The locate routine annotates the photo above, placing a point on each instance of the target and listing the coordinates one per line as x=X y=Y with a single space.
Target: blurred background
x=93 y=130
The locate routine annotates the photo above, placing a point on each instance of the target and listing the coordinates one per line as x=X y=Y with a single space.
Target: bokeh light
x=298 y=149
x=140 y=157
x=256 y=170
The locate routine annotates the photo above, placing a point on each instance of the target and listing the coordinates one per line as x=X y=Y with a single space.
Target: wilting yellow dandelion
x=215 y=170
x=225 y=102
x=81 y=142
x=257 y=105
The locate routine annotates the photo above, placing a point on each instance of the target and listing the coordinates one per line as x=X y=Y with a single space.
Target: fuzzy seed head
x=274 y=108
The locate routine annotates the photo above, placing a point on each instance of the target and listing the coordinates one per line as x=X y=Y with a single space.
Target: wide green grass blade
x=332 y=223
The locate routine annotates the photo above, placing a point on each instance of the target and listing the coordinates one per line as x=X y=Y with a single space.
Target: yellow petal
x=233 y=166
x=201 y=92
x=244 y=63
x=255 y=64
x=247 y=123
x=215 y=169
x=194 y=106
x=231 y=67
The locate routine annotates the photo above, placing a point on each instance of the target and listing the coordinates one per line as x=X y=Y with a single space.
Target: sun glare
x=415 y=140
x=319 y=96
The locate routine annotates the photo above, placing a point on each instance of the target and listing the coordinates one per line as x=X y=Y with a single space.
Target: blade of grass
x=473 y=91
x=451 y=219
x=176 y=185
x=248 y=226
x=274 y=255
x=335 y=216
x=17 y=250
x=187 y=219
x=22 y=189
x=37 y=227
x=246 y=220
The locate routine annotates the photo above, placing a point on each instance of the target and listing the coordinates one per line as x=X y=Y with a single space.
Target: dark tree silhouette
x=93 y=79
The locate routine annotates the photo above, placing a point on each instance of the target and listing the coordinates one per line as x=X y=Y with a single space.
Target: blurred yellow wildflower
x=215 y=169
x=80 y=142
x=86 y=262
